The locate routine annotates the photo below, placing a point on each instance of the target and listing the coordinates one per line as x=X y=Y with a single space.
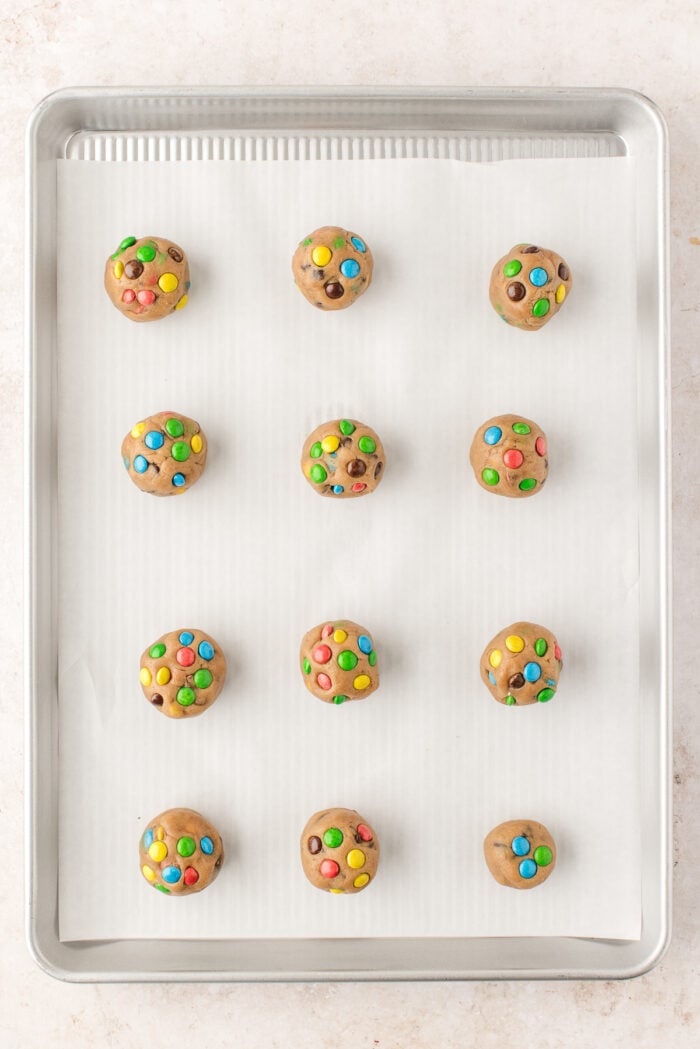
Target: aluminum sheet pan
x=470 y=125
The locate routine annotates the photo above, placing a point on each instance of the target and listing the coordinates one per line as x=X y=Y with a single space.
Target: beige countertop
x=652 y=47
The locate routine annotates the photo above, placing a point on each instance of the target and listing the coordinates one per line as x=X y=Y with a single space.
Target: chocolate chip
x=356 y=467
x=563 y=271
x=133 y=269
x=318 y=274
x=219 y=861
x=378 y=469
x=334 y=290
x=516 y=291
x=157 y=700
x=529 y=251
x=175 y=254
x=517 y=681
x=314 y=845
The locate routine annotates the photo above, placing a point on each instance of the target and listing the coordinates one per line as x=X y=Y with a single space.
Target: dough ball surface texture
x=147 y=278
x=339 y=851
x=165 y=454
x=338 y=662
x=529 y=285
x=332 y=267
x=343 y=459
x=521 y=665
x=182 y=673
x=520 y=853
x=180 y=852
x=509 y=456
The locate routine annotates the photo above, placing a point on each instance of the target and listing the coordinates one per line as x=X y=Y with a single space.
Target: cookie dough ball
x=521 y=665
x=338 y=662
x=165 y=454
x=332 y=268
x=147 y=279
x=520 y=853
x=529 y=285
x=509 y=456
x=343 y=458
x=180 y=852
x=182 y=673
x=339 y=851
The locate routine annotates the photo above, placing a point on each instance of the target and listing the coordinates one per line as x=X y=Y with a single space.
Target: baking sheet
x=431 y=564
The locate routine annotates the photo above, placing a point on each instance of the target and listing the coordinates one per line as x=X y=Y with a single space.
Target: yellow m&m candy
x=167 y=282
x=321 y=255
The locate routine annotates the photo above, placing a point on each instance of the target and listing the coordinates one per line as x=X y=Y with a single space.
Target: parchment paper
x=431 y=564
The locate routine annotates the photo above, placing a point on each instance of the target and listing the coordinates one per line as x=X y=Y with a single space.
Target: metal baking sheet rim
x=513 y=111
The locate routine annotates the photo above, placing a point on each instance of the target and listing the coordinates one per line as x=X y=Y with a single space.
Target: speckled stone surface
x=652 y=48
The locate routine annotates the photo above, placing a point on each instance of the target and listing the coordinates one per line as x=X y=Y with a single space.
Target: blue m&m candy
x=154 y=439
x=520 y=846
x=206 y=650
x=532 y=671
x=350 y=268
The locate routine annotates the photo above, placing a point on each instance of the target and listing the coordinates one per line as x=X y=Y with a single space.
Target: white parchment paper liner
x=432 y=565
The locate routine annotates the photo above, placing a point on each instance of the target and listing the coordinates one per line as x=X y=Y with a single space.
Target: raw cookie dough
x=509 y=456
x=147 y=279
x=180 y=852
x=332 y=268
x=165 y=454
x=338 y=662
x=521 y=665
x=343 y=458
x=520 y=853
x=339 y=851
x=183 y=672
x=529 y=285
